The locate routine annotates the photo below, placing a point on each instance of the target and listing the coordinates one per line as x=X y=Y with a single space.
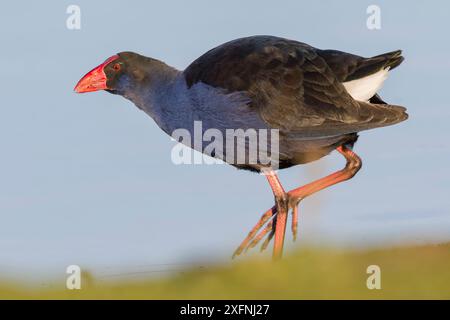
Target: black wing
x=291 y=87
x=347 y=66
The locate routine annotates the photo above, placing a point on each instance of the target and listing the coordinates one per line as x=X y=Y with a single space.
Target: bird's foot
x=276 y=217
x=267 y=225
x=248 y=243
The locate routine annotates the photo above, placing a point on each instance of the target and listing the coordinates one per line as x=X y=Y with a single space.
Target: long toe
x=268 y=215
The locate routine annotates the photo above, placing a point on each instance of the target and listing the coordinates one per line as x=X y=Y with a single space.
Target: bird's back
x=295 y=87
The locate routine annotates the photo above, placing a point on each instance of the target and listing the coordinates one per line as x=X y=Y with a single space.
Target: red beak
x=95 y=79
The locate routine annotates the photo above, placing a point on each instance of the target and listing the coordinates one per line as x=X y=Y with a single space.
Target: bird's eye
x=116 y=66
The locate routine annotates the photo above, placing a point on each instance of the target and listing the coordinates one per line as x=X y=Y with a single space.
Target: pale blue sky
x=88 y=180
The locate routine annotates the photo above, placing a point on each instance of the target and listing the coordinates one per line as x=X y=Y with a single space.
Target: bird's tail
x=368 y=66
x=380 y=115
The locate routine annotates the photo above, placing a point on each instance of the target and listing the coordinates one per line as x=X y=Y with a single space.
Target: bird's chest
x=213 y=108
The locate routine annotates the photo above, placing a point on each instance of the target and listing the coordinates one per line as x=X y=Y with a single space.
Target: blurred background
x=88 y=179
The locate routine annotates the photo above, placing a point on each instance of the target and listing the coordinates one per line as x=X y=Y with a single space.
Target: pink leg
x=294 y=222
x=285 y=201
x=281 y=218
x=351 y=168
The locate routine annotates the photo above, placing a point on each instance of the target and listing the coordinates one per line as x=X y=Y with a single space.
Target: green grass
x=406 y=273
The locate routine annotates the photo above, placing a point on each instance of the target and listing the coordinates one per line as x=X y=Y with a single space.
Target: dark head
x=123 y=72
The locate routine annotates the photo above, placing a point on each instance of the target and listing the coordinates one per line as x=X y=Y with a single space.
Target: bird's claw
x=269 y=220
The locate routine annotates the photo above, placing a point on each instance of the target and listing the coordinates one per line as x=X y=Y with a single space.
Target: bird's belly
x=254 y=149
x=300 y=151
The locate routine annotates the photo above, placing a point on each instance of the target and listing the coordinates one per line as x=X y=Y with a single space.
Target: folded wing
x=295 y=87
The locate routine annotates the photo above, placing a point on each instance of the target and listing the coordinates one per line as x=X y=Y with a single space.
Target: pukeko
x=316 y=100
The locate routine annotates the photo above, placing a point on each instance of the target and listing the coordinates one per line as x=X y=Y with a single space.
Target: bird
x=315 y=100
